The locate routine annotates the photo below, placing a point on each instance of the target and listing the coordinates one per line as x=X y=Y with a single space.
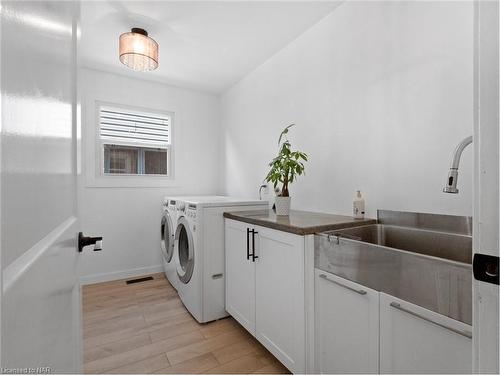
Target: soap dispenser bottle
x=358 y=206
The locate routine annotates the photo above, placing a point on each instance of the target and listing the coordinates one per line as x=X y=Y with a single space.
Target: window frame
x=99 y=142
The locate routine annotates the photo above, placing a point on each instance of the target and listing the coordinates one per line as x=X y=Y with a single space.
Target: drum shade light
x=138 y=51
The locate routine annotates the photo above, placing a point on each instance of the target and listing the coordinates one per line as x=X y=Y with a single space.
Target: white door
x=39 y=223
x=240 y=274
x=280 y=289
x=486 y=179
x=417 y=340
x=346 y=326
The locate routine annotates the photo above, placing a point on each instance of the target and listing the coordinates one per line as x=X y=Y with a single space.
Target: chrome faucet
x=451 y=182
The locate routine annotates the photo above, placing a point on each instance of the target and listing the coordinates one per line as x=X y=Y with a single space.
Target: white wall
x=127 y=213
x=381 y=93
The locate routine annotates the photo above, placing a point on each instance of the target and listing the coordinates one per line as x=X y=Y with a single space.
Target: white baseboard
x=118 y=275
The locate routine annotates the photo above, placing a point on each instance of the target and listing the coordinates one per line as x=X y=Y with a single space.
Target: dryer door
x=184 y=246
x=167 y=237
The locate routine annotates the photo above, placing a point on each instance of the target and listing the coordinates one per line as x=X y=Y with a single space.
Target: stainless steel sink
x=421 y=258
x=451 y=246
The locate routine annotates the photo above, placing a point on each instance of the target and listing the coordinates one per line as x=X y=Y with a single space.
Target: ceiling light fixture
x=138 y=51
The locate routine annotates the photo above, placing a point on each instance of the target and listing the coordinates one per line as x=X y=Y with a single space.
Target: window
x=134 y=142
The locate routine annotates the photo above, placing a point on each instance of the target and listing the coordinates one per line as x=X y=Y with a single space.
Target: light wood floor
x=144 y=328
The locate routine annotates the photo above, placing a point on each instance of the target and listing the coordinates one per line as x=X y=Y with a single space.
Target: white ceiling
x=205 y=45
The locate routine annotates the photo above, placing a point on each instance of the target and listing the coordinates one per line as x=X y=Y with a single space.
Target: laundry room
x=249 y=187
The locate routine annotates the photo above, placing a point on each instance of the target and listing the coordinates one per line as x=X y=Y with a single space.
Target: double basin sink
x=424 y=259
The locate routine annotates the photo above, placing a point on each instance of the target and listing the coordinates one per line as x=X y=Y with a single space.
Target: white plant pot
x=282 y=206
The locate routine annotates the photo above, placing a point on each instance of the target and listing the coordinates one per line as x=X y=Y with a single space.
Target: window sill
x=134 y=175
x=132 y=181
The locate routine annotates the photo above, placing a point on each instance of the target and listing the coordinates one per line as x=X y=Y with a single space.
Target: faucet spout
x=451 y=182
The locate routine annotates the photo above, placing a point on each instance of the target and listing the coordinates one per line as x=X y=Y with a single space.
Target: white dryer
x=199 y=252
x=168 y=225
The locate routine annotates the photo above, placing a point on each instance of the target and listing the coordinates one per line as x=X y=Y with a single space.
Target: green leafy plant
x=287 y=165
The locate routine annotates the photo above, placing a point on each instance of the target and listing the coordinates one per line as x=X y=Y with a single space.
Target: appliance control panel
x=191 y=211
x=166 y=203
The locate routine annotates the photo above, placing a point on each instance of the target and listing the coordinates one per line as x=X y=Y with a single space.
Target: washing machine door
x=167 y=237
x=184 y=247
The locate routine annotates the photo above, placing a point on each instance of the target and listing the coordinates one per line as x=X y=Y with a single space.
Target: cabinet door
x=346 y=326
x=280 y=309
x=417 y=340
x=240 y=275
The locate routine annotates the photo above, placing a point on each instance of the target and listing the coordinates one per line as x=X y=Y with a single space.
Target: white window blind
x=131 y=127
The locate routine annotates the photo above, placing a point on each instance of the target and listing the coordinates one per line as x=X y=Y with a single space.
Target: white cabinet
x=351 y=328
x=417 y=340
x=359 y=330
x=280 y=310
x=346 y=326
x=240 y=274
x=265 y=288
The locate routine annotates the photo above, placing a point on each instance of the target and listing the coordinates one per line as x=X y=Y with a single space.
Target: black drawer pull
x=248 y=244
x=253 y=245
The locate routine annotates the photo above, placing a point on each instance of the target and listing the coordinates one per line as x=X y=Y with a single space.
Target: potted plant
x=284 y=170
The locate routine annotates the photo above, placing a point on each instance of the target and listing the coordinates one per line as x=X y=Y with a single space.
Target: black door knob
x=87 y=241
x=485 y=268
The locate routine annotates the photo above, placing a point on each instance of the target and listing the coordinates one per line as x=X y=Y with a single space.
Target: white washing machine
x=199 y=252
x=168 y=225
